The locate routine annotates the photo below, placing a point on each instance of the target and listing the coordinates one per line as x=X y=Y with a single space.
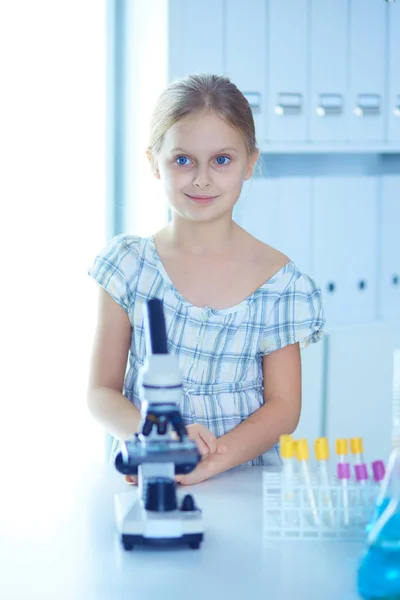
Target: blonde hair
x=195 y=93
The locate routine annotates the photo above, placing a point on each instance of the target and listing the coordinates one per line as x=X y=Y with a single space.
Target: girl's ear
x=251 y=164
x=153 y=163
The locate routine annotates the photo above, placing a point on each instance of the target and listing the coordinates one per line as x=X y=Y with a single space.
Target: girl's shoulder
x=280 y=274
x=124 y=246
x=126 y=241
x=117 y=267
x=121 y=256
x=267 y=263
x=272 y=259
x=258 y=250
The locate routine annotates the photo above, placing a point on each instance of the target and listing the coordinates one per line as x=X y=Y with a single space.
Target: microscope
x=154 y=514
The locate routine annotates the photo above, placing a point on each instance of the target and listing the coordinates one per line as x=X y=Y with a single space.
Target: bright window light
x=52 y=223
x=147 y=75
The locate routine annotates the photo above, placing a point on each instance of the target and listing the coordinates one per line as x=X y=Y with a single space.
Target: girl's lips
x=201 y=199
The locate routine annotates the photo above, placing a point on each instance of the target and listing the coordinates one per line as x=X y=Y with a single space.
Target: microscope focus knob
x=160 y=495
x=188 y=503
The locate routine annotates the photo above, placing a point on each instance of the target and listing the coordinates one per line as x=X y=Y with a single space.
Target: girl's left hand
x=199 y=474
x=132 y=479
x=205 y=469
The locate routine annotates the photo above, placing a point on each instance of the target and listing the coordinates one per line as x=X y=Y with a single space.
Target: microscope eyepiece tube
x=154 y=326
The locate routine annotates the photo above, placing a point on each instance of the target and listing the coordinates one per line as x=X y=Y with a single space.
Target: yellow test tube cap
x=301 y=449
x=356 y=445
x=286 y=445
x=321 y=448
x=342 y=446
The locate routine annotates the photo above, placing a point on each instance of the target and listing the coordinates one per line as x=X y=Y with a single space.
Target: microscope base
x=139 y=527
x=192 y=540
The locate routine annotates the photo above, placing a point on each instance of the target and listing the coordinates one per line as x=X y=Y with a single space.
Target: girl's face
x=202 y=163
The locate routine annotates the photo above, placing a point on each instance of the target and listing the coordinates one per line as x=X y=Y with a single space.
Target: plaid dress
x=220 y=351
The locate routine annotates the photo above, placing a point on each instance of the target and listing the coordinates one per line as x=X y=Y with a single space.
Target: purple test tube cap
x=361 y=472
x=343 y=470
x=378 y=470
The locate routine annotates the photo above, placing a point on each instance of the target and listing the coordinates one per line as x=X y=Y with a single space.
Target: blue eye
x=181 y=160
x=221 y=160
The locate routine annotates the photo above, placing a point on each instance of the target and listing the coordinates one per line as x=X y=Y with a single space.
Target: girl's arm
x=258 y=433
x=109 y=358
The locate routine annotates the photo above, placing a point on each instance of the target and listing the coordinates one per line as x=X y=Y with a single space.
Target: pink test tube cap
x=343 y=470
x=361 y=472
x=378 y=470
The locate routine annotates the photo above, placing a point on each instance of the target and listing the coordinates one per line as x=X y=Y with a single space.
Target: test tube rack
x=292 y=518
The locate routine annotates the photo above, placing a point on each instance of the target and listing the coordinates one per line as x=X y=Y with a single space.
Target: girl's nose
x=202 y=179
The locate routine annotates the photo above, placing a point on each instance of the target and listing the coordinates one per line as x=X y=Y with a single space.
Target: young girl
x=237 y=310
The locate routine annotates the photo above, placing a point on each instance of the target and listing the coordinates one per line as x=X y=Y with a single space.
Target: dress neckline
x=217 y=311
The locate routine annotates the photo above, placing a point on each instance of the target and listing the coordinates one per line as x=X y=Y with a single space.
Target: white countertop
x=58 y=541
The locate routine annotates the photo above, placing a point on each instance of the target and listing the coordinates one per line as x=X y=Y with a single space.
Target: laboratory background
x=322 y=78
x=79 y=80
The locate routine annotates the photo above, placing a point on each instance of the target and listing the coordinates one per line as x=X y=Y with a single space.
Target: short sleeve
x=296 y=316
x=116 y=269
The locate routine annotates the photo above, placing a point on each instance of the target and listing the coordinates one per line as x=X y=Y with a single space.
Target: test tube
x=302 y=455
x=378 y=473
x=360 y=468
x=361 y=476
x=286 y=445
x=356 y=447
x=343 y=474
x=321 y=447
x=388 y=501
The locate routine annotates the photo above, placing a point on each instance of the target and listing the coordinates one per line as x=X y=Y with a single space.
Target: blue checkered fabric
x=220 y=351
